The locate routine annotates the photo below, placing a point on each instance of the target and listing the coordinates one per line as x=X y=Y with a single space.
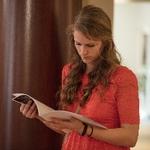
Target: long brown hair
x=94 y=23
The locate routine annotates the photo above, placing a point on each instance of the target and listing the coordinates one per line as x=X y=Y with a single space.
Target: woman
x=96 y=85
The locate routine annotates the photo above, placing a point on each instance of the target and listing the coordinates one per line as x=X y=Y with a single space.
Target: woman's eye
x=78 y=44
x=90 y=45
x=86 y=45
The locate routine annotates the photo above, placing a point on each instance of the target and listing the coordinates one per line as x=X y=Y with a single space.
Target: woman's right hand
x=29 y=110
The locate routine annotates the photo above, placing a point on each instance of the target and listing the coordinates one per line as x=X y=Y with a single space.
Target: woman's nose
x=83 y=50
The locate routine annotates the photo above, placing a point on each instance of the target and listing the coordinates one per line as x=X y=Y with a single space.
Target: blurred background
x=33 y=49
x=132 y=38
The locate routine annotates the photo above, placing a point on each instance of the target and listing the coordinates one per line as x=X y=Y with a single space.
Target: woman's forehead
x=81 y=37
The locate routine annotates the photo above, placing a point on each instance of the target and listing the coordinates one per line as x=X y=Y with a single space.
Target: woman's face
x=88 y=49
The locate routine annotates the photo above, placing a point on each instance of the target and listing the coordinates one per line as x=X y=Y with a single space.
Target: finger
x=32 y=111
x=62 y=124
x=33 y=108
x=57 y=127
x=49 y=124
x=34 y=114
x=25 y=107
x=74 y=119
x=53 y=125
x=59 y=120
x=28 y=109
x=22 y=107
x=56 y=121
x=54 y=128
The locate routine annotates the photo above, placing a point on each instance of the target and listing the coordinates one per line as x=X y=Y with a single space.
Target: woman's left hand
x=64 y=125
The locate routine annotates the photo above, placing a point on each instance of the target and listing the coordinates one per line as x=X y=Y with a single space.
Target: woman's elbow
x=132 y=141
x=132 y=136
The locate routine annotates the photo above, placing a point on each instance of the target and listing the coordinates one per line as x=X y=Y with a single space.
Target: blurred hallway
x=144 y=137
x=132 y=38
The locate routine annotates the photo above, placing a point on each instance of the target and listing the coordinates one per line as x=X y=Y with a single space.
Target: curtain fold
x=32 y=52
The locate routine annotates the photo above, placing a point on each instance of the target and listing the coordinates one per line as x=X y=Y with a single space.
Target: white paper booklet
x=47 y=112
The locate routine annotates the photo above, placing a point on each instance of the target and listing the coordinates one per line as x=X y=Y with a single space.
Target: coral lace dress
x=120 y=105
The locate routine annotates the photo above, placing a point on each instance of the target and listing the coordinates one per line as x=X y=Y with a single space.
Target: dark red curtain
x=33 y=49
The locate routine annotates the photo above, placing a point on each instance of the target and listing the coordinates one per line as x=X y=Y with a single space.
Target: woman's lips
x=86 y=58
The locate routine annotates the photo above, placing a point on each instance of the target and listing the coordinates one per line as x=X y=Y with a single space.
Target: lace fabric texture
x=119 y=105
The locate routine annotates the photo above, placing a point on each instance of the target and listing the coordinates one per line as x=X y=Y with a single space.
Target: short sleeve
x=127 y=97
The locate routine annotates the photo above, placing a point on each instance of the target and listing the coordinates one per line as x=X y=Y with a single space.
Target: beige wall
x=107 y=5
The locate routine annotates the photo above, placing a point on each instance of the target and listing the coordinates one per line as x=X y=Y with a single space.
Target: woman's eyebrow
x=89 y=43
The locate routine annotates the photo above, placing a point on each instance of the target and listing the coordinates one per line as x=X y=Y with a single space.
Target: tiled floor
x=144 y=138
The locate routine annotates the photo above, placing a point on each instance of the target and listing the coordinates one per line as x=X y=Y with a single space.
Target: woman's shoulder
x=66 y=69
x=123 y=74
x=123 y=69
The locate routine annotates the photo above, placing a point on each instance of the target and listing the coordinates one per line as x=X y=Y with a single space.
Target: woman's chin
x=86 y=61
